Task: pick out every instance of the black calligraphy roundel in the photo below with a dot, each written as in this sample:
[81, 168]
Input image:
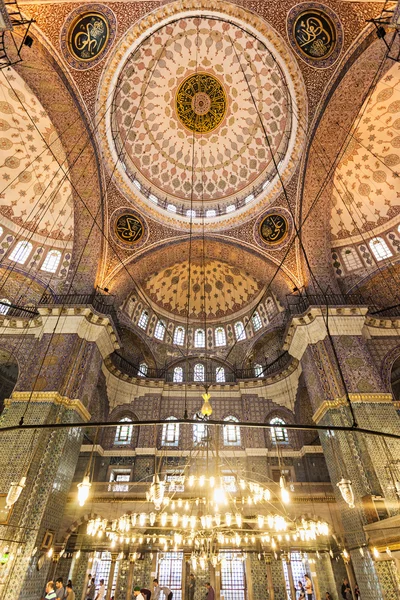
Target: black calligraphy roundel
[129, 228]
[88, 36]
[274, 228]
[315, 34]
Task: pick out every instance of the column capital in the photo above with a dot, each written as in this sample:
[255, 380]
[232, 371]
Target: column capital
[50, 398]
[326, 405]
[310, 328]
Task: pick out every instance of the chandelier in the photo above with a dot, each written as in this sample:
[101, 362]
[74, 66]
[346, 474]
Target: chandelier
[207, 514]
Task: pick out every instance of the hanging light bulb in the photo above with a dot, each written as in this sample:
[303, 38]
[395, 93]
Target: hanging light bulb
[83, 490]
[388, 551]
[346, 555]
[285, 496]
[77, 555]
[361, 551]
[156, 492]
[346, 490]
[206, 409]
[375, 552]
[15, 491]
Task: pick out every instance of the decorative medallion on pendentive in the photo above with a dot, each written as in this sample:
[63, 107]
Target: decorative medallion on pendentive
[201, 103]
[273, 229]
[129, 228]
[315, 33]
[87, 35]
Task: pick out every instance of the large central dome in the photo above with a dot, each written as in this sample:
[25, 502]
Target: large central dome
[201, 113]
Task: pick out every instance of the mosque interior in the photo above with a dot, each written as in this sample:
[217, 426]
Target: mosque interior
[199, 297]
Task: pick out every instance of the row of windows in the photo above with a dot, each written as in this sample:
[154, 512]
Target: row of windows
[198, 370]
[199, 334]
[170, 432]
[22, 250]
[378, 247]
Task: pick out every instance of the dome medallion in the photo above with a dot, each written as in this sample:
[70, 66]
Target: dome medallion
[182, 105]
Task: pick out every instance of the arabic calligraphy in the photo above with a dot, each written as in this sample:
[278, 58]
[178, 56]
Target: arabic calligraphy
[274, 228]
[129, 228]
[201, 103]
[315, 34]
[88, 36]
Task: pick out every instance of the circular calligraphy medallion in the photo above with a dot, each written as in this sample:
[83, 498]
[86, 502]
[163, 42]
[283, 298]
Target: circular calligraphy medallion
[86, 35]
[201, 103]
[315, 33]
[129, 228]
[274, 229]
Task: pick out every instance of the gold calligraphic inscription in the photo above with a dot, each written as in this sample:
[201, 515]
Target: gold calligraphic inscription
[315, 34]
[201, 103]
[88, 36]
[274, 229]
[129, 228]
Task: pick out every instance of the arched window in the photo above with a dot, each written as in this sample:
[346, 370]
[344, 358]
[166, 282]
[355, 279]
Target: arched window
[220, 337]
[191, 214]
[179, 336]
[231, 432]
[51, 262]
[171, 208]
[270, 308]
[159, 331]
[278, 434]
[178, 374]
[123, 435]
[143, 368]
[351, 260]
[143, 319]
[198, 372]
[240, 331]
[199, 432]
[220, 375]
[170, 433]
[199, 338]
[4, 306]
[256, 320]
[21, 252]
[211, 213]
[1, 231]
[380, 249]
[258, 370]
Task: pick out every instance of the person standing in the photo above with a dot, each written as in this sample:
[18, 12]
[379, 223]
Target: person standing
[345, 585]
[302, 593]
[308, 587]
[50, 592]
[137, 593]
[157, 590]
[101, 594]
[70, 592]
[210, 592]
[60, 591]
[192, 586]
[91, 590]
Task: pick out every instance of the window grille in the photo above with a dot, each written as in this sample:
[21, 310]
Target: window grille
[143, 319]
[21, 252]
[231, 432]
[233, 580]
[258, 370]
[380, 249]
[178, 375]
[123, 434]
[278, 434]
[198, 372]
[51, 262]
[159, 331]
[170, 433]
[351, 260]
[179, 336]
[240, 331]
[199, 338]
[4, 306]
[220, 337]
[220, 375]
[257, 323]
[143, 368]
[170, 569]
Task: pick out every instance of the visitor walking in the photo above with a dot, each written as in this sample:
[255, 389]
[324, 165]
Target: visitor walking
[137, 593]
[60, 591]
[70, 592]
[345, 586]
[192, 586]
[101, 594]
[210, 592]
[50, 591]
[91, 590]
[302, 593]
[308, 587]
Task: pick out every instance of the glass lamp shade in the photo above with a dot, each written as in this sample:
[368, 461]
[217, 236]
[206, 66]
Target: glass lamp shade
[14, 492]
[206, 409]
[346, 490]
[83, 490]
[156, 492]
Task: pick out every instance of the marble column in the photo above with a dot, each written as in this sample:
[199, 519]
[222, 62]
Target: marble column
[114, 557]
[360, 458]
[55, 385]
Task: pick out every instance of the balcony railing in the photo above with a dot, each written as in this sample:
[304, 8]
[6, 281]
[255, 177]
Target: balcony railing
[14, 311]
[104, 304]
[299, 304]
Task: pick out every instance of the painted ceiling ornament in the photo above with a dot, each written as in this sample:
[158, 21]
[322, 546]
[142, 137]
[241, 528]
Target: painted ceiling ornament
[87, 35]
[201, 103]
[273, 228]
[185, 128]
[128, 228]
[315, 33]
